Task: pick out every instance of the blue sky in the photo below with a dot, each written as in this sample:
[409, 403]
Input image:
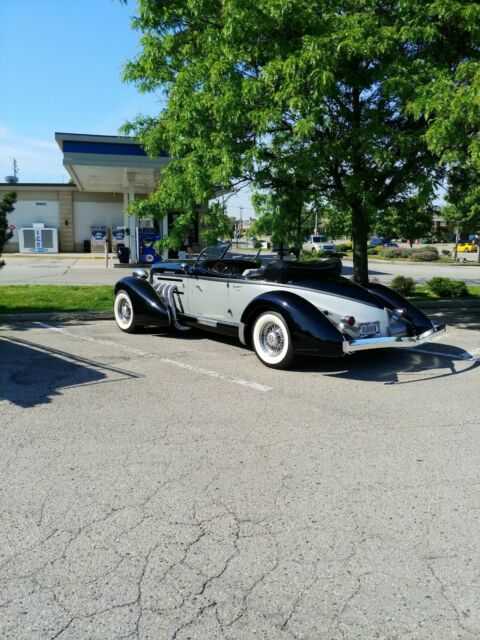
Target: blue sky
[61, 64]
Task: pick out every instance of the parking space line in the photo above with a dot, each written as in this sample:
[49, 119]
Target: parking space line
[89, 339]
[221, 376]
[207, 372]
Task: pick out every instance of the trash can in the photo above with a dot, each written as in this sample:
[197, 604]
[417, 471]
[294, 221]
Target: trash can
[87, 247]
[123, 253]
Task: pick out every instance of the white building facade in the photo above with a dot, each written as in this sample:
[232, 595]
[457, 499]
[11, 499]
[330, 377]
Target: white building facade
[107, 174]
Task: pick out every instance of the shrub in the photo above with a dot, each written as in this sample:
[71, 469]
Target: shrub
[306, 256]
[371, 251]
[428, 248]
[424, 256]
[446, 252]
[403, 285]
[447, 288]
[344, 247]
[396, 252]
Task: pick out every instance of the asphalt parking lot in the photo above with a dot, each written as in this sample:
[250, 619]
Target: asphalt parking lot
[165, 486]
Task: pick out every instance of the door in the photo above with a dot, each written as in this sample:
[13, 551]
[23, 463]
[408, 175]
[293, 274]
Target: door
[207, 298]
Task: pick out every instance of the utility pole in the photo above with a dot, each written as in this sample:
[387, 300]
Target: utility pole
[240, 223]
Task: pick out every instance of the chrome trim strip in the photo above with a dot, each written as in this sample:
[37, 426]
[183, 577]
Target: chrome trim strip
[350, 346]
[207, 322]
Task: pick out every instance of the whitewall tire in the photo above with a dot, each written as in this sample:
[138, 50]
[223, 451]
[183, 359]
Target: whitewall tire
[271, 340]
[124, 312]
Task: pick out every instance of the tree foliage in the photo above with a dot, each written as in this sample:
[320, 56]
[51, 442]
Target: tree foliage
[410, 220]
[7, 205]
[463, 197]
[340, 103]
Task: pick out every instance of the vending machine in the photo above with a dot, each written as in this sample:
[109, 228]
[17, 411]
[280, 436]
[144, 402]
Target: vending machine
[147, 239]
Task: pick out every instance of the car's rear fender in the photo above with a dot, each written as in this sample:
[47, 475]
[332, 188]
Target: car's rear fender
[394, 300]
[147, 306]
[312, 333]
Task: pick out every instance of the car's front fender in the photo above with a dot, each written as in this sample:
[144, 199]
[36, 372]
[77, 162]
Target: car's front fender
[311, 331]
[147, 306]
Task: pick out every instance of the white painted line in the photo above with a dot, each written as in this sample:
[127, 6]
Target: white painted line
[220, 376]
[88, 339]
[206, 372]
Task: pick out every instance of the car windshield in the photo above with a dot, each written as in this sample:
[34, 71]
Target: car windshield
[318, 238]
[223, 250]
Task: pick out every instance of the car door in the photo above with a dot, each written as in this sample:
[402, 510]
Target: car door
[207, 297]
[240, 294]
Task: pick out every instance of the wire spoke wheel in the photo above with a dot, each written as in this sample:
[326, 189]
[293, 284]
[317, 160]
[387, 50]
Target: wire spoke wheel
[124, 312]
[271, 340]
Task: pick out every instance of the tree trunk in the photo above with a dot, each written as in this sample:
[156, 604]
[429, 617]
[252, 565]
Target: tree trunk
[360, 237]
[359, 214]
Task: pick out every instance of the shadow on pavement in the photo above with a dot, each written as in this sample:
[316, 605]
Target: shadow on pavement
[395, 366]
[31, 374]
[347, 271]
[387, 366]
[460, 317]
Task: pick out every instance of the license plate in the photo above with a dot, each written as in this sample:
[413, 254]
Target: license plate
[369, 329]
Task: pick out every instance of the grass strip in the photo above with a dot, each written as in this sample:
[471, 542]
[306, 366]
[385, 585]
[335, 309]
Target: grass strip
[55, 298]
[422, 294]
[68, 298]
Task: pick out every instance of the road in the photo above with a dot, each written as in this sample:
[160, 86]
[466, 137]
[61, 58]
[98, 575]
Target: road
[84, 270]
[172, 487]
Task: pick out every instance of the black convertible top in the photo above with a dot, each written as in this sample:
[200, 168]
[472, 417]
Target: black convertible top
[289, 271]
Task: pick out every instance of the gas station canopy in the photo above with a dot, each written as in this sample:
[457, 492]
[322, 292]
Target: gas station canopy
[115, 164]
[112, 164]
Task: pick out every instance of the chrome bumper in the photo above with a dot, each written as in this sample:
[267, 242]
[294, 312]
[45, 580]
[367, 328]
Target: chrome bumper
[350, 346]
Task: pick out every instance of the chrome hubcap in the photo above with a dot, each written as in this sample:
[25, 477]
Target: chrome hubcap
[125, 311]
[272, 339]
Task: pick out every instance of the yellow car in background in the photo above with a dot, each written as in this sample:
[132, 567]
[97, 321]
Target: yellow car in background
[467, 247]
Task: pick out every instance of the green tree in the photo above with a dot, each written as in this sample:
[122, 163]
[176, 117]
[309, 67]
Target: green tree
[314, 102]
[7, 205]
[283, 215]
[410, 219]
[449, 98]
[463, 198]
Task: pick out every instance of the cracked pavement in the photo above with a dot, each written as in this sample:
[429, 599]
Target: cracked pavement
[147, 501]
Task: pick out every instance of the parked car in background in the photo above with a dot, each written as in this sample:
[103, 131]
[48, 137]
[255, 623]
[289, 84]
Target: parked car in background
[316, 243]
[280, 308]
[467, 247]
[381, 242]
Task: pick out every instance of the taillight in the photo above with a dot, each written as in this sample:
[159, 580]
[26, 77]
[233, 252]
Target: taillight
[349, 320]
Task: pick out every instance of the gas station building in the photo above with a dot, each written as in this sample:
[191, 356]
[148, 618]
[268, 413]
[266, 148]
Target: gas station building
[108, 173]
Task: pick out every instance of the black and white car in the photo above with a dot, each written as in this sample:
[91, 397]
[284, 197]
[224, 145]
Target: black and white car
[280, 308]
